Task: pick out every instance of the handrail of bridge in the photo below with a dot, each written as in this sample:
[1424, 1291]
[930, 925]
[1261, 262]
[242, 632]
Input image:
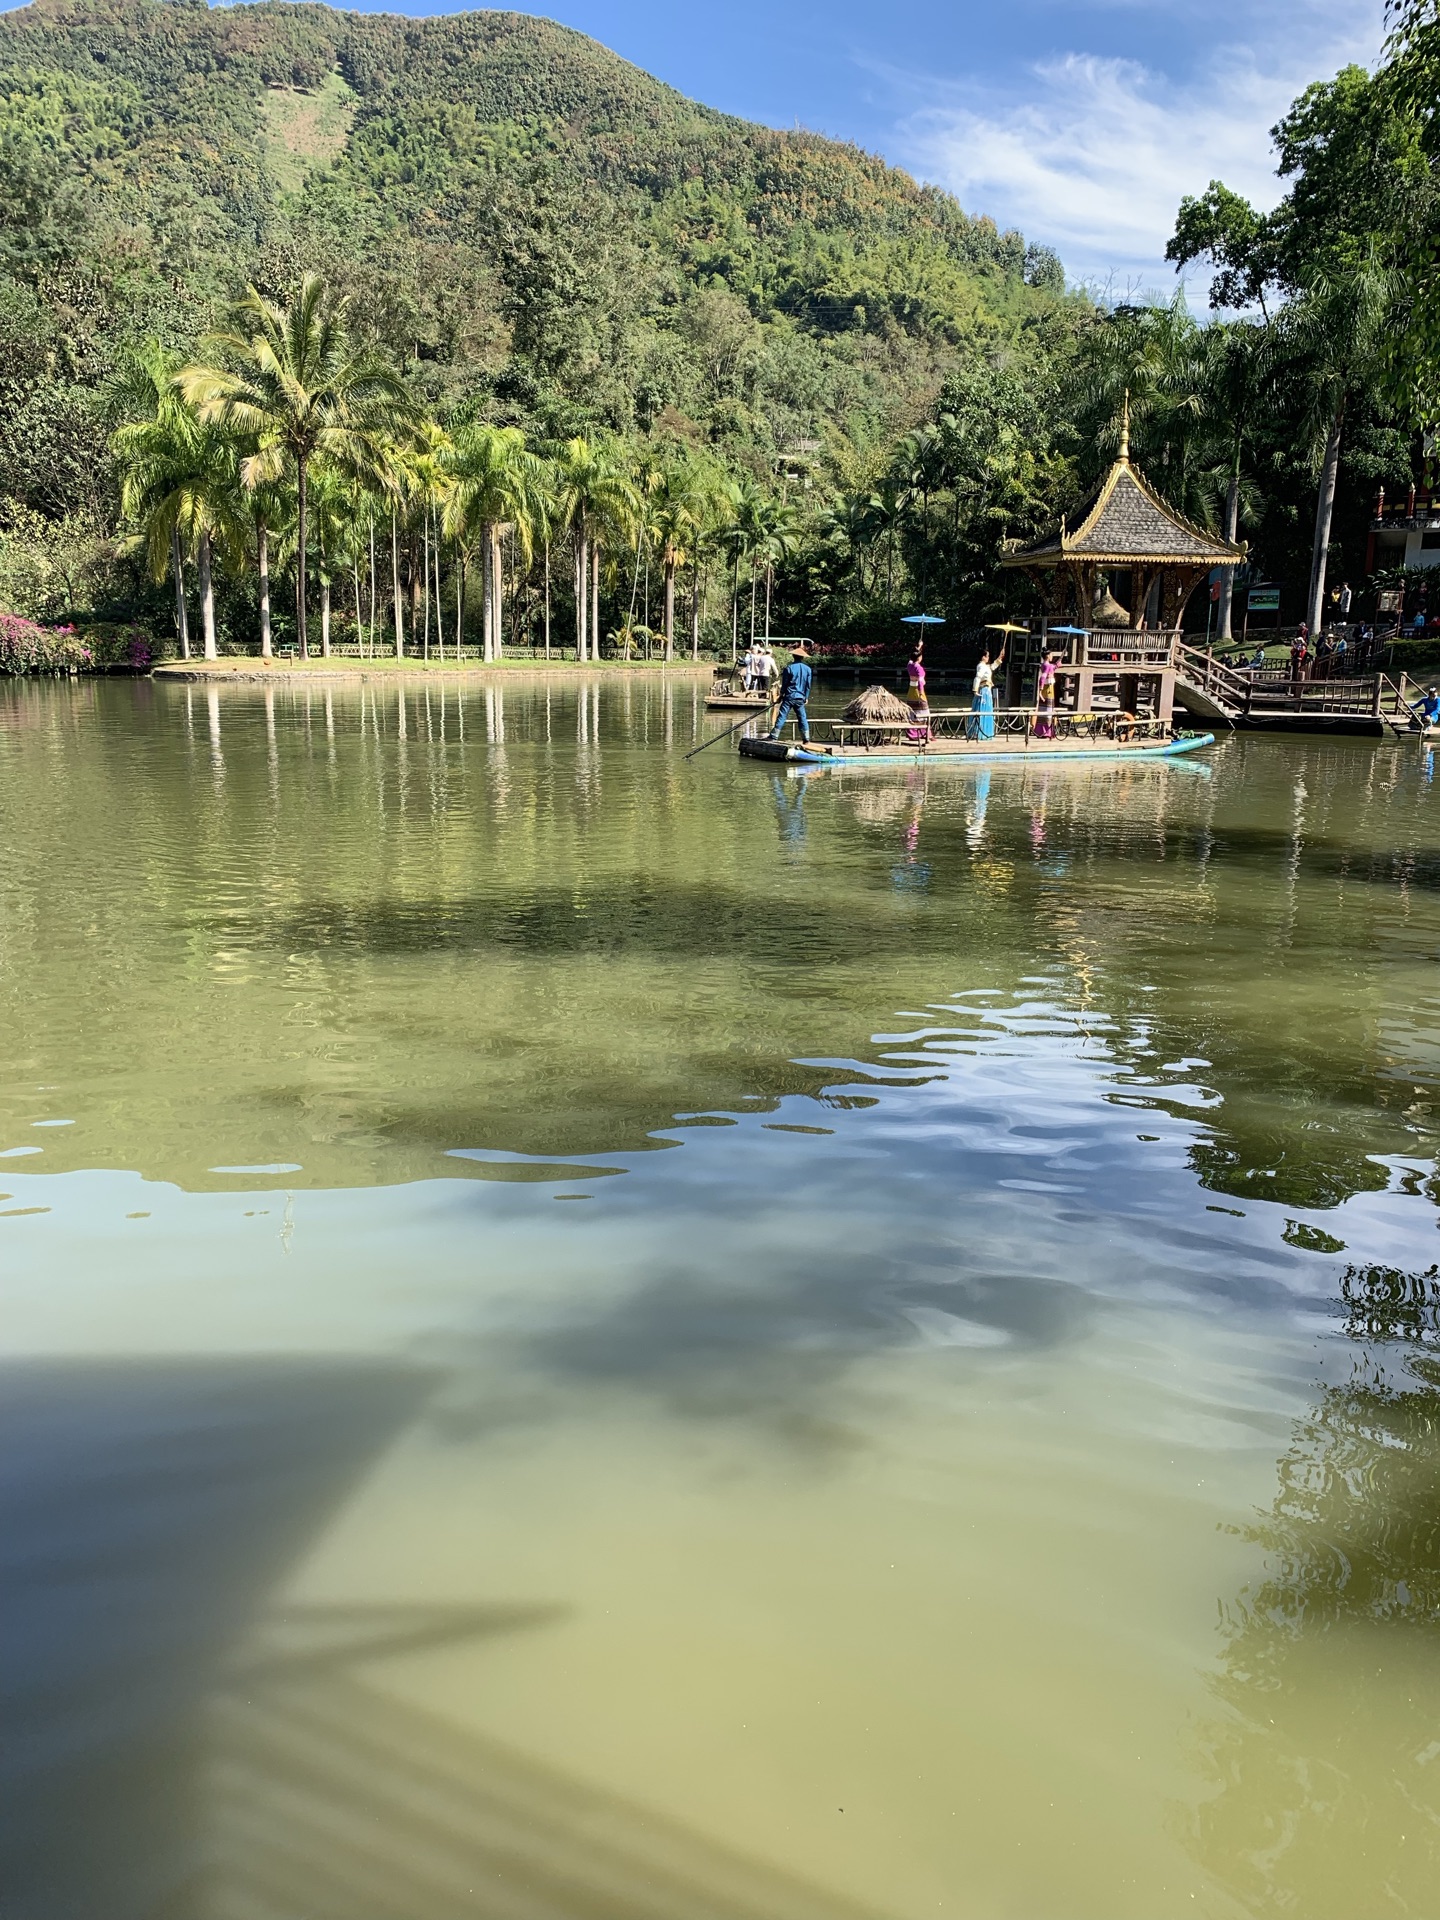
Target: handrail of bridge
[1212, 676]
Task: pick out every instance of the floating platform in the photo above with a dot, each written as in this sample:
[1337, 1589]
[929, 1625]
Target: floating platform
[964, 752]
[742, 702]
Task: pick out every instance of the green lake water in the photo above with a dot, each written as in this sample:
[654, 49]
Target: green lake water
[596, 1337]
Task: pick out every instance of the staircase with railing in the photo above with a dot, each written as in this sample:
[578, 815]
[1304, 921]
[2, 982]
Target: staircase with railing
[1212, 690]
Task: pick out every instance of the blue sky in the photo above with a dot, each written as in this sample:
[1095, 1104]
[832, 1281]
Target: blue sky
[1079, 121]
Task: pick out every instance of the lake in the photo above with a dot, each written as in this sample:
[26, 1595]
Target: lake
[591, 1334]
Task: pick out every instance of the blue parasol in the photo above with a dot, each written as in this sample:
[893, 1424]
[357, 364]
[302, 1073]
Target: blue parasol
[922, 620]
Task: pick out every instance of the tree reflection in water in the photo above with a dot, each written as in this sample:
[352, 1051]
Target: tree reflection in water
[1325, 1764]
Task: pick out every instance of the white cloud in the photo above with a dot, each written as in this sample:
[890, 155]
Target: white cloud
[1095, 154]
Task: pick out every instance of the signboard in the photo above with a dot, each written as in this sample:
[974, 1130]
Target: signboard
[1389, 601]
[1264, 600]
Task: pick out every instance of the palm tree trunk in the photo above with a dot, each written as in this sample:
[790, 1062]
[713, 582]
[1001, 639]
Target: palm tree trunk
[425, 648]
[595, 601]
[395, 587]
[325, 616]
[1227, 578]
[547, 599]
[669, 605]
[302, 518]
[582, 594]
[695, 609]
[182, 617]
[207, 598]
[262, 559]
[459, 606]
[439, 598]
[359, 623]
[497, 567]
[769, 583]
[372, 586]
[1324, 509]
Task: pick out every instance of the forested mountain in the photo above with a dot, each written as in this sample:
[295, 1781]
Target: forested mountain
[541, 231]
[797, 365]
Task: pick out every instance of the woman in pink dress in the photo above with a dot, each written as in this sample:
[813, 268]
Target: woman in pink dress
[915, 692]
[1045, 698]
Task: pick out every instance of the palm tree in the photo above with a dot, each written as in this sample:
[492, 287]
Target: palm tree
[779, 529]
[1235, 371]
[336, 525]
[181, 483]
[674, 515]
[593, 496]
[494, 483]
[143, 394]
[743, 537]
[848, 530]
[295, 385]
[1155, 356]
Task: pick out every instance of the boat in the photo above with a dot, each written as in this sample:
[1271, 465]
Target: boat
[1098, 736]
[727, 696]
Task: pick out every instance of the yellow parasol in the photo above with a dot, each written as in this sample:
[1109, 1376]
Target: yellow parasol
[1004, 626]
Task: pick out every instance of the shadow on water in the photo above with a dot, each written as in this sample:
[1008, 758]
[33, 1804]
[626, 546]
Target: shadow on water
[175, 1749]
[332, 1801]
[145, 1513]
[1324, 1764]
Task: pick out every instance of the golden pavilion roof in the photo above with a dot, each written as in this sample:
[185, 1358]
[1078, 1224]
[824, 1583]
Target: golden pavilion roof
[1125, 523]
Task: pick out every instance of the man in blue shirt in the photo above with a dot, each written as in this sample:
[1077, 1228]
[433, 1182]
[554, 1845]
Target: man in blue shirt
[794, 692]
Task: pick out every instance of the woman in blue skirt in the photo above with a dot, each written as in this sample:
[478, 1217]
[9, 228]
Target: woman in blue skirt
[981, 724]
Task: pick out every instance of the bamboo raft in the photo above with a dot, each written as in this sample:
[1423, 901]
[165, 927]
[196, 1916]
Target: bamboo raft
[1078, 736]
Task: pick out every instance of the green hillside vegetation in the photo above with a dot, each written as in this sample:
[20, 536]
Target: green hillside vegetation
[869, 389]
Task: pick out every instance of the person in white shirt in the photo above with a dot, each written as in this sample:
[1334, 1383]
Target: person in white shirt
[981, 724]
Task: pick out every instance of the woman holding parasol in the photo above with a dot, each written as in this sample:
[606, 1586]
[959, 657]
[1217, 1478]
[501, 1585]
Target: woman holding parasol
[915, 694]
[1045, 686]
[981, 724]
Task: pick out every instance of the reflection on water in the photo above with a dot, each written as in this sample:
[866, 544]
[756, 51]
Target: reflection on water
[1326, 1766]
[980, 1180]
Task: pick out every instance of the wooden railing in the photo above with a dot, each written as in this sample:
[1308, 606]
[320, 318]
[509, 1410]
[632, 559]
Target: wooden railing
[1226, 687]
[1262, 690]
[955, 723]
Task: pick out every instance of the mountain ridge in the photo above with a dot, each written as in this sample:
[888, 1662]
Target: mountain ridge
[538, 230]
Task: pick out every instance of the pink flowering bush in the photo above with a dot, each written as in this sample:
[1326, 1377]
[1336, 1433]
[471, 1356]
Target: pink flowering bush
[28, 648]
[120, 649]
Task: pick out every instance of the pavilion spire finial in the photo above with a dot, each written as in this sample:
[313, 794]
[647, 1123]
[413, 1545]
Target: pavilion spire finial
[1125, 427]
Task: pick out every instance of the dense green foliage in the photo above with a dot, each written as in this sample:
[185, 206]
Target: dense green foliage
[838, 392]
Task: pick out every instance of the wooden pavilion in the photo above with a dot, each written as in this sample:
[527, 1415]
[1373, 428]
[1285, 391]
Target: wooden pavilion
[1131, 560]
[1116, 587]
